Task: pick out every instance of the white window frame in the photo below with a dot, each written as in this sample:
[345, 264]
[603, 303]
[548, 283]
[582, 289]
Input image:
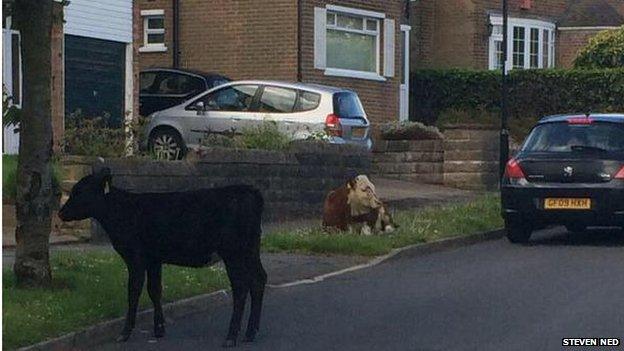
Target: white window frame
[365, 15]
[527, 24]
[152, 47]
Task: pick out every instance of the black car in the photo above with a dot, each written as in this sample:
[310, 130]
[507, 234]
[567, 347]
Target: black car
[569, 171]
[161, 88]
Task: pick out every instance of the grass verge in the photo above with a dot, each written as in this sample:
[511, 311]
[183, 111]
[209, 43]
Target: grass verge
[416, 226]
[88, 287]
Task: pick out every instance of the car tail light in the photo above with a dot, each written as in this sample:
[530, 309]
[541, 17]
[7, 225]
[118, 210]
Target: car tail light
[620, 174]
[513, 170]
[332, 125]
[580, 120]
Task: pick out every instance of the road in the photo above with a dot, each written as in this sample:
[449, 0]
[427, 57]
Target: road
[489, 296]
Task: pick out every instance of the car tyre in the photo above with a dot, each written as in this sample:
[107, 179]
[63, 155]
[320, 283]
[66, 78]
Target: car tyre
[518, 233]
[576, 228]
[167, 144]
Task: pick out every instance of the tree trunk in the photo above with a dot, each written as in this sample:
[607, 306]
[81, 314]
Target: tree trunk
[34, 172]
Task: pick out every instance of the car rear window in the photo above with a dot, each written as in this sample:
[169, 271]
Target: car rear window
[566, 137]
[348, 105]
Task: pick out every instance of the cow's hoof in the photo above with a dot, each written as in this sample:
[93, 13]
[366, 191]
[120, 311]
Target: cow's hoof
[250, 336]
[159, 330]
[229, 343]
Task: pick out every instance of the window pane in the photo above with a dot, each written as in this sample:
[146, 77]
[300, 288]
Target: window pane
[307, 101]
[371, 25]
[155, 22]
[331, 18]
[236, 98]
[498, 54]
[146, 83]
[350, 22]
[170, 83]
[534, 48]
[351, 51]
[155, 38]
[518, 47]
[546, 40]
[277, 100]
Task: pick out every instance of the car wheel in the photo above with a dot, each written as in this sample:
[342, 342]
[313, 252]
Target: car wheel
[518, 233]
[576, 228]
[166, 144]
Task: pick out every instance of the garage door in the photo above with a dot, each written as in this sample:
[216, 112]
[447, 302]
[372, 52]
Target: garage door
[94, 77]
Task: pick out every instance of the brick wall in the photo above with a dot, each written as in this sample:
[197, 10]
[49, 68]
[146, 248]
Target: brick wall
[457, 31]
[156, 59]
[240, 39]
[380, 99]
[570, 44]
[422, 20]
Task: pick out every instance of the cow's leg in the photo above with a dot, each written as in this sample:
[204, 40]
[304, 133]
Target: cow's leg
[154, 289]
[258, 282]
[136, 278]
[239, 280]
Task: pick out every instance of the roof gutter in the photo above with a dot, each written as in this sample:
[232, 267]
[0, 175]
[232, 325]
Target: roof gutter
[176, 33]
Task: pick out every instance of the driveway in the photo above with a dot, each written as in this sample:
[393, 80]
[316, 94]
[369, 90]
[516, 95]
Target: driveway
[489, 296]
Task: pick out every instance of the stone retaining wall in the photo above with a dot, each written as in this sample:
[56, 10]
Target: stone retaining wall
[411, 160]
[466, 158]
[471, 157]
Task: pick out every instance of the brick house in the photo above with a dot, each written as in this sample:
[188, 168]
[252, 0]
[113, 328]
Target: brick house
[355, 44]
[542, 33]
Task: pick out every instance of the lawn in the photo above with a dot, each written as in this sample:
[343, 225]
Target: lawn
[88, 287]
[416, 226]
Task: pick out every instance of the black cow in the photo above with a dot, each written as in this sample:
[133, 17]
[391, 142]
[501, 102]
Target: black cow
[181, 228]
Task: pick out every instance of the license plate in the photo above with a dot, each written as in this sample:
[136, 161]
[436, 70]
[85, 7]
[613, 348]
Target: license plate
[358, 132]
[567, 204]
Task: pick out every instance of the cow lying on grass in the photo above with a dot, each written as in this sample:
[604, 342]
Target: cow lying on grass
[181, 228]
[355, 204]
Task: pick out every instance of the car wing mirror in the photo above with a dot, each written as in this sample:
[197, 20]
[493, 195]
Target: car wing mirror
[200, 108]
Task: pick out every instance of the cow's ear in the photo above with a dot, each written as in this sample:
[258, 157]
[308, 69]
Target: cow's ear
[103, 177]
[351, 184]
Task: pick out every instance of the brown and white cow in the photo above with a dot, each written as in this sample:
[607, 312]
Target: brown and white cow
[355, 205]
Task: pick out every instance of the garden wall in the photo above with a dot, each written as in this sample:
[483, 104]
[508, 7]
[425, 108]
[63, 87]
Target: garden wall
[293, 183]
[411, 160]
[465, 156]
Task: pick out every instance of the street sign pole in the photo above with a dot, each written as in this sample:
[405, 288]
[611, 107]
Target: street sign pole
[504, 132]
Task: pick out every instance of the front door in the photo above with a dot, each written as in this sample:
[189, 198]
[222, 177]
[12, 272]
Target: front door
[404, 88]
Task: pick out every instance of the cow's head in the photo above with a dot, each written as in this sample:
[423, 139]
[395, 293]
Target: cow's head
[87, 196]
[361, 196]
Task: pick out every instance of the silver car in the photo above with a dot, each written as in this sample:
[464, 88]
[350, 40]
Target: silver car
[300, 111]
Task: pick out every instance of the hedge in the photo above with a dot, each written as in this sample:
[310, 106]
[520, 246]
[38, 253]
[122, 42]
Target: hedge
[532, 93]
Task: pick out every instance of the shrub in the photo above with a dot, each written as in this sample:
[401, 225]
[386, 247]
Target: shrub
[605, 50]
[405, 130]
[265, 136]
[92, 136]
[532, 93]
